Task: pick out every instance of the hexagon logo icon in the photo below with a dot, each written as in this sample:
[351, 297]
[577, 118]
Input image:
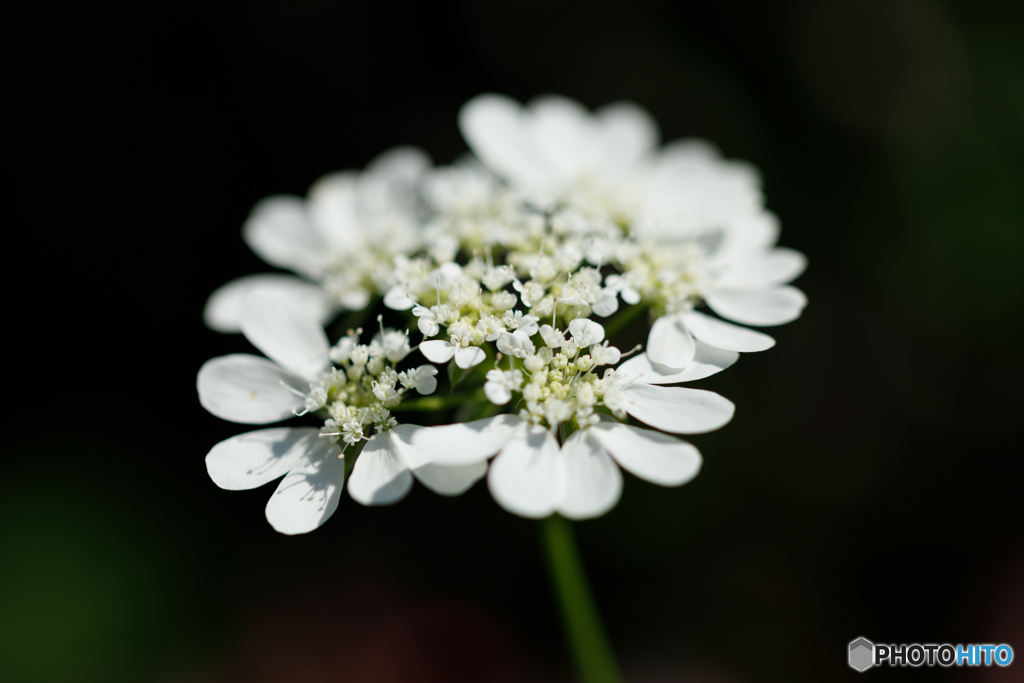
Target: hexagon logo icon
[862, 654]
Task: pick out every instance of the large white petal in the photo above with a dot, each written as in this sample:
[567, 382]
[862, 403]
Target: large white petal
[309, 493]
[450, 480]
[437, 350]
[405, 163]
[656, 457]
[333, 211]
[288, 335]
[761, 269]
[628, 134]
[707, 361]
[252, 459]
[591, 481]
[774, 306]
[223, 311]
[670, 343]
[678, 410]
[492, 126]
[565, 135]
[723, 335]
[247, 389]
[525, 477]
[467, 442]
[280, 232]
[380, 475]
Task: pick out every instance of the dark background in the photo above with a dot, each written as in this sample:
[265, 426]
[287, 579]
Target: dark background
[869, 484]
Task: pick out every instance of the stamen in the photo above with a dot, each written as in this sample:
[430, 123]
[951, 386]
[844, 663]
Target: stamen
[293, 390]
[631, 352]
[380, 321]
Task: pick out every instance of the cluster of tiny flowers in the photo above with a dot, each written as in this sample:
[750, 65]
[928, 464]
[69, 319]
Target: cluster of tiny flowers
[559, 381]
[359, 393]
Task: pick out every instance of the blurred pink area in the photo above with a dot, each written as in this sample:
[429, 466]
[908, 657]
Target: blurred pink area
[370, 636]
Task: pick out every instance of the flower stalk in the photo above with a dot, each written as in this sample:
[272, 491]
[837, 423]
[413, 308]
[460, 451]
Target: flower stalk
[592, 653]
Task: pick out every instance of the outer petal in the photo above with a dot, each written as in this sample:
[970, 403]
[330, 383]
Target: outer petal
[252, 459]
[707, 361]
[403, 162]
[670, 343]
[628, 133]
[333, 211]
[450, 480]
[380, 475]
[280, 232]
[223, 311]
[656, 457]
[290, 336]
[492, 126]
[774, 306]
[437, 350]
[723, 335]
[465, 443]
[468, 356]
[678, 410]
[591, 481]
[525, 477]
[762, 269]
[247, 389]
[309, 494]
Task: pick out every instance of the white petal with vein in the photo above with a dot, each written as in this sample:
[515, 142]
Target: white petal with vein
[380, 476]
[669, 342]
[723, 335]
[592, 482]
[253, 459]
[653, 456]
[707, 361]
[525, 477]
[775, 306]
[678, 410]
[247, 389]
[450, 480]
[309, 493]
[288, 335]
[465, 443]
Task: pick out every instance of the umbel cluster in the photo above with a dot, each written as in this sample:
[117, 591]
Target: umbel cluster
[512, 268]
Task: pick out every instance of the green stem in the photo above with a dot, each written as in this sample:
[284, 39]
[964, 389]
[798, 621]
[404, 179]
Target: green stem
[616, 324]
[592, 653]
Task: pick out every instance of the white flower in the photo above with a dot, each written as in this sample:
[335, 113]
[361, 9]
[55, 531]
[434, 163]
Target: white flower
[586, 332]
[533, 476]
[254, 390]
[500, 385]
[343, 237]
[390, 344]
[429, 318]
[515, 344]
[422, 379]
